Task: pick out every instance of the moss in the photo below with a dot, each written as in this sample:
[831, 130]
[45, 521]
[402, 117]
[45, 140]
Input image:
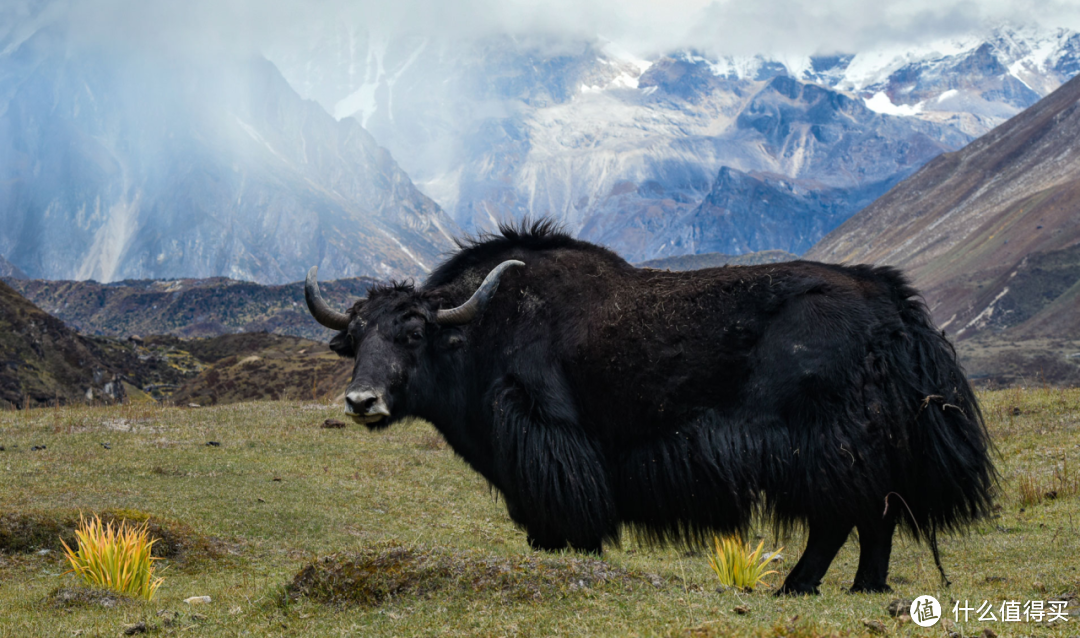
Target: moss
[24, 532]
[390, 570]
[68, 597]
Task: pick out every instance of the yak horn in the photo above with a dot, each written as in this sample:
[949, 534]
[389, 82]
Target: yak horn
[468, 310]
[318, 307]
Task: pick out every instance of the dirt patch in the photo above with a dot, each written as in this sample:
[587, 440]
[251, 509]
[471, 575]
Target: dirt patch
[390, 570]
[34, 531]
[68, 597]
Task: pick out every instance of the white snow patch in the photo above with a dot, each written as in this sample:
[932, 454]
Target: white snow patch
[881, 103]
[982, 317]
[947, 94]
[250, 130]
[406, 250]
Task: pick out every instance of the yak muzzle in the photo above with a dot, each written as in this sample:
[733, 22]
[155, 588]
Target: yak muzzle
[366, 406]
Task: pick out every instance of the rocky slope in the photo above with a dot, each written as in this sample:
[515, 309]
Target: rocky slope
[9, 271]
[188, 307]
[133, 164]
[42, 361]
[715, 260]
[991, 233]
[632, 152]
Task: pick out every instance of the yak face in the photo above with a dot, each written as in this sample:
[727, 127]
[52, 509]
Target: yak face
[396, 343]
[398, 336]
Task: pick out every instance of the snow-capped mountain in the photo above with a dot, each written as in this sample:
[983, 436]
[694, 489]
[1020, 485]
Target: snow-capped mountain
[685, 152]
[120, 164]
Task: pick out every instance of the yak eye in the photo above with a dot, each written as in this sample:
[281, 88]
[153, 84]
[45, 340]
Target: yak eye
[416, 334]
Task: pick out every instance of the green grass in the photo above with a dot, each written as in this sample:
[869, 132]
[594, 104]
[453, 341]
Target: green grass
[399, 514]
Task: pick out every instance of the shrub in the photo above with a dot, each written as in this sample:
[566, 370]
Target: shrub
[736, 565]
[117, 558]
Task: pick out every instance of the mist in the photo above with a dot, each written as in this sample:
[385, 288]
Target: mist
[644, 27]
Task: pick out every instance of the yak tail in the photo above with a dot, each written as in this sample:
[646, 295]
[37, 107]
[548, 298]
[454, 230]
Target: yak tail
[946, 478]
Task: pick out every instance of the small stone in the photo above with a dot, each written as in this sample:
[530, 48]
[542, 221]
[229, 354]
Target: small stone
[193, 405]
[106, 446]
[875, 626]
[899, 606]
[276, 478]
[988, 633]
[35, 448]
[213, 443]
[333, 424]
[137, 628]
[44, 552]
[197, 600]
[198, 617]
[742, 610]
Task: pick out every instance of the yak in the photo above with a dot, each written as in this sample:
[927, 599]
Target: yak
[596, 396]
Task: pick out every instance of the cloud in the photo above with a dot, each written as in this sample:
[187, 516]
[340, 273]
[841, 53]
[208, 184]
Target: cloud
[646, 27]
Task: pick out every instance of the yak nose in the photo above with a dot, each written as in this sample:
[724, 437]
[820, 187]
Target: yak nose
[366, 404]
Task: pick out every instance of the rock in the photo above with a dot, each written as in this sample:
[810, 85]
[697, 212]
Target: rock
[899, 607]
[137, 628]
[213, 444]
[742, 610]
[197, 600]
[193, 405]
[333, 424]
[35, 448]
[875, 626]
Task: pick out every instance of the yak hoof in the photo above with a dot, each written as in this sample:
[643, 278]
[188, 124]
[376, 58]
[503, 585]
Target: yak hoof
[547, 544]
[860, 588]
[797, 589]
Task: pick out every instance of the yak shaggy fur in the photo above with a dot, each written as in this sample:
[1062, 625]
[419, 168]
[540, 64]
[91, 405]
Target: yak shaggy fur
[595, 395]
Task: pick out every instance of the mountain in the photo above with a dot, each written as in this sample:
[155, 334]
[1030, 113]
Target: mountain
[188, 307]
[675, 154]
[991, 233]
[123, 163]
[265, 367]
[9, 271]
[715, 260]
[42, 361]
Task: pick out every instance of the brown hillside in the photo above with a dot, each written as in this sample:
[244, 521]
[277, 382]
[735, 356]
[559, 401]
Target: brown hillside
[42, 360]
[989, 233]
[187, 307]
[269, 367]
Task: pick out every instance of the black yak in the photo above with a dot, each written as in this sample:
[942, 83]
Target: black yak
[593, 395]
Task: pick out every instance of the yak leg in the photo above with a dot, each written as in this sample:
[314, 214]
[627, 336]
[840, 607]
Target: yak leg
[875, 546]
[554, 474]
[825, 540]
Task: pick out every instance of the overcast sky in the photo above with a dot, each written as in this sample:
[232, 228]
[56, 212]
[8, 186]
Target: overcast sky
[645, 27]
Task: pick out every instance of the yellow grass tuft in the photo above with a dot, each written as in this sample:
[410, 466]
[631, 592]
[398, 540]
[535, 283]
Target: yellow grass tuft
[116, 558]
[736, 565]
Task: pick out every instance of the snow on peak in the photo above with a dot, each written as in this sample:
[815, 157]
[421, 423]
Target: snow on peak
[880, 103]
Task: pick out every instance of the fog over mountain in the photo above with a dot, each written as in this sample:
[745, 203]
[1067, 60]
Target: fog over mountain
[120, 162]
[681, 153]
[253, 139]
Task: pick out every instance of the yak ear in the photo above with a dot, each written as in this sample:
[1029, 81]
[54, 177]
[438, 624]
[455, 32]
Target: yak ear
[343, 344]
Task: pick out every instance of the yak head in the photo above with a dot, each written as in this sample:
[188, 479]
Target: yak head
[395, 337]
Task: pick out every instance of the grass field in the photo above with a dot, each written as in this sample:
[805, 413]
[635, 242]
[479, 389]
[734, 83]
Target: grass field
[400, 513]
